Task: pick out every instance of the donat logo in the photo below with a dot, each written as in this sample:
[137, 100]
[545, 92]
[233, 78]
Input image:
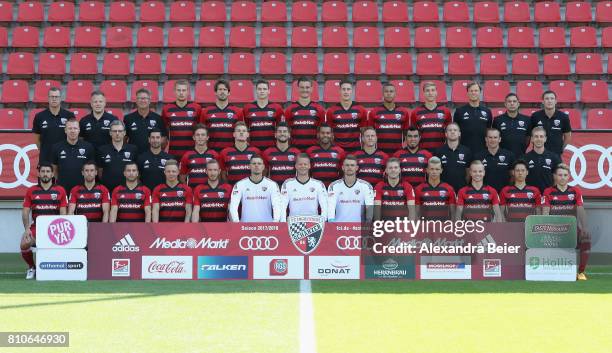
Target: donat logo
[306, 232]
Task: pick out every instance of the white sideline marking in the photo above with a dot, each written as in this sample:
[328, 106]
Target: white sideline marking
[600, 273]
[10, 273]
[307, 326]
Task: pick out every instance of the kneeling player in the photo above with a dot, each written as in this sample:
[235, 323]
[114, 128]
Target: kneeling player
[303, 195]
[172, 201]
[90, 199]
[210, 199]
[392, 197]
[520, 200]
[478, 201]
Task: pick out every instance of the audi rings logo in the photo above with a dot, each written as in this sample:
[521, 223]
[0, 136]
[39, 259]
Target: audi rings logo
[21, 176]
[258, 243]
[354, 242]
[578, 176]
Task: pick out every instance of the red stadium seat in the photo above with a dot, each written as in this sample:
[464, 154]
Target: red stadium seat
[404, 91]
[397, 37]
[20, 64]
[6, 11]
[458, 37]
[578, 11]
[495, 91]
[243, 11]
[461, 64]
[429, 64]
[525, 64]
[118, 112]
[87, 37]
[529, 91]
[51, 64]
[179, 64]
[79, 113]
[278, 91]
[521, 37]
[489, 37]
[114, 90]
[146, 84]
[594, 91]
[425, 11]
[528, 111]
[547, 12]
[606, 37]
[589, 64]
[335, 37]
[242, 37]
[440, 87]
[336, 64]
[241, 63]
[30, 11]
[83, 64]
[395, 12]
[242, 91]
[117, 64]
[273, 11]
[181, 37]
[486, 12]
[365, 11]
[552, 37]
[368, 91]
[91, 11]
[204, 91]
[41, 90]
[399, 64]
[304, 64]
[556, 64]
[565, 90]
[119, 37]
[3, 37]
[334, 11]
[273, 64]
[25, 37]
[78, 91]
[456, 11]
[147, 64]
[15, 91]
[599, 119]
[493, 64]
[331, 91]
[273, 37]
[182, 11]
[367, 64]
[497, 111]
[603, 12]
[304, 11]
[365, 37]
[152, 11]
[122, 12]
[575, 117]
[459, 91]
[11, 119]
[516, 12]
[304, 37]
[61, 11]
[210, 64]
[213, 11]
[583, 37]
[427, 37]
[212, 37]
[295, 92]
[150, 37]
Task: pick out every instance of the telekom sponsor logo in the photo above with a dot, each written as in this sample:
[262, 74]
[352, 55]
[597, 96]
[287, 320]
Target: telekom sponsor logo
[167, 267]
[61, 231]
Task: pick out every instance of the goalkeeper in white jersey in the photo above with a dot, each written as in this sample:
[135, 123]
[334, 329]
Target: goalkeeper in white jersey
[303, 195]
[350, 198]
[257, 197]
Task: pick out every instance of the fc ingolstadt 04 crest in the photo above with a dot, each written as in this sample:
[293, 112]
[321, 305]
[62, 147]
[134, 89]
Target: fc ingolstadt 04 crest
[306, 232]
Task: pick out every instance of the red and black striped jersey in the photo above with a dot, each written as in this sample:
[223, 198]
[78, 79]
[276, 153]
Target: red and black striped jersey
[179, 122]
[347, 124]
[280, 164]
[371, 166]
[236, 163]
[304, 121]
[213, 202]
[477, 203]
[563, 202]
[220, 124]
[390, 126]
[262, 122]
[193, 165]
[431, 125]
[172, 201]
[397, 195]
[45, 202]
[131, 203]
[435, 201]
[88, 202]
[326, 163]
[413, 165]
[519, 203]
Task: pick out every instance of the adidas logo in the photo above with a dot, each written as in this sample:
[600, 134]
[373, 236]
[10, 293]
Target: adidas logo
[126, 244]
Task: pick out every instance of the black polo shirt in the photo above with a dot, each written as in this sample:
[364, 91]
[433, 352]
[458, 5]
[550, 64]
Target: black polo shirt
[51, 130]
[69, 160]
[112, 162]
[555, 127]
[138, 127]
[454, 163]
[151, 168]
[497, 167]
[541, 167]
[97, 131]
[473, 122]
[514, 132]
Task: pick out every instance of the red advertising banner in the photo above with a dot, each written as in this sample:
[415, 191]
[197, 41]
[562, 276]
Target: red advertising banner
[589, 158]
[18, 161]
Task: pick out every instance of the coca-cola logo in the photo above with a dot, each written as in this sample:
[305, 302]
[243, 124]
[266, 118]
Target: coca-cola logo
[171, 267]
[167, 267]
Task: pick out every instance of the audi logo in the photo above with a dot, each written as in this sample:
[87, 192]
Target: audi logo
[605, 178]
[21, 178]
[348, 242]
[258, 243]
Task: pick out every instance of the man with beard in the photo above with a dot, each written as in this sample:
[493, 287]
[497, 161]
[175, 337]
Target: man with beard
[130, 202]
[326, 158]
[151, 163]
[90, 199]
[280, 159]
[413, 159]
[221, 118]
[211, 199]
[514, 126]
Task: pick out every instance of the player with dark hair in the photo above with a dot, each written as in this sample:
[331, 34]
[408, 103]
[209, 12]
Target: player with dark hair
[513, 126]
[555, 122]
[262, 116]
[473, 118]
[90, 198]
[347, 118]
[151, 162]
[392, 196]
[520, 200]
[211, 199]
[326, 158]
[390, 121]
[130, 202]
[431, 118]
[304, 116]
[221, 118]
[413, 159]
[193, 163]
[280, 159]
[235, 160]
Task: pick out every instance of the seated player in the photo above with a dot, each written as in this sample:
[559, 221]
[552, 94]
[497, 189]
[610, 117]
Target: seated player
[413, 159]
[280, 158]
[393, 197]
[172, 201]
[477, 201]
[303, 195]
[131, 202]
[520, 200]
[211, 199]
[435, 199]
[349, 196]
[326, 158]
[193, 163]
[235, 160]
[90, 198]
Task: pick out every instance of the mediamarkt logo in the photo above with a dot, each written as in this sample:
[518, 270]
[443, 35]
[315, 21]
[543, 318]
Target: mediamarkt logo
[189, 243]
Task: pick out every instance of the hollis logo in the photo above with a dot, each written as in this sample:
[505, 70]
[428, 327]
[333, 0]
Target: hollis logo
[537, 262]
[279, 267]
[121, 268]
[491, 268]
[306, 232]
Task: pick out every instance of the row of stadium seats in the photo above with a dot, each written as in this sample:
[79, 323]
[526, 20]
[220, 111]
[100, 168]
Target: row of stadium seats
[307, 11]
